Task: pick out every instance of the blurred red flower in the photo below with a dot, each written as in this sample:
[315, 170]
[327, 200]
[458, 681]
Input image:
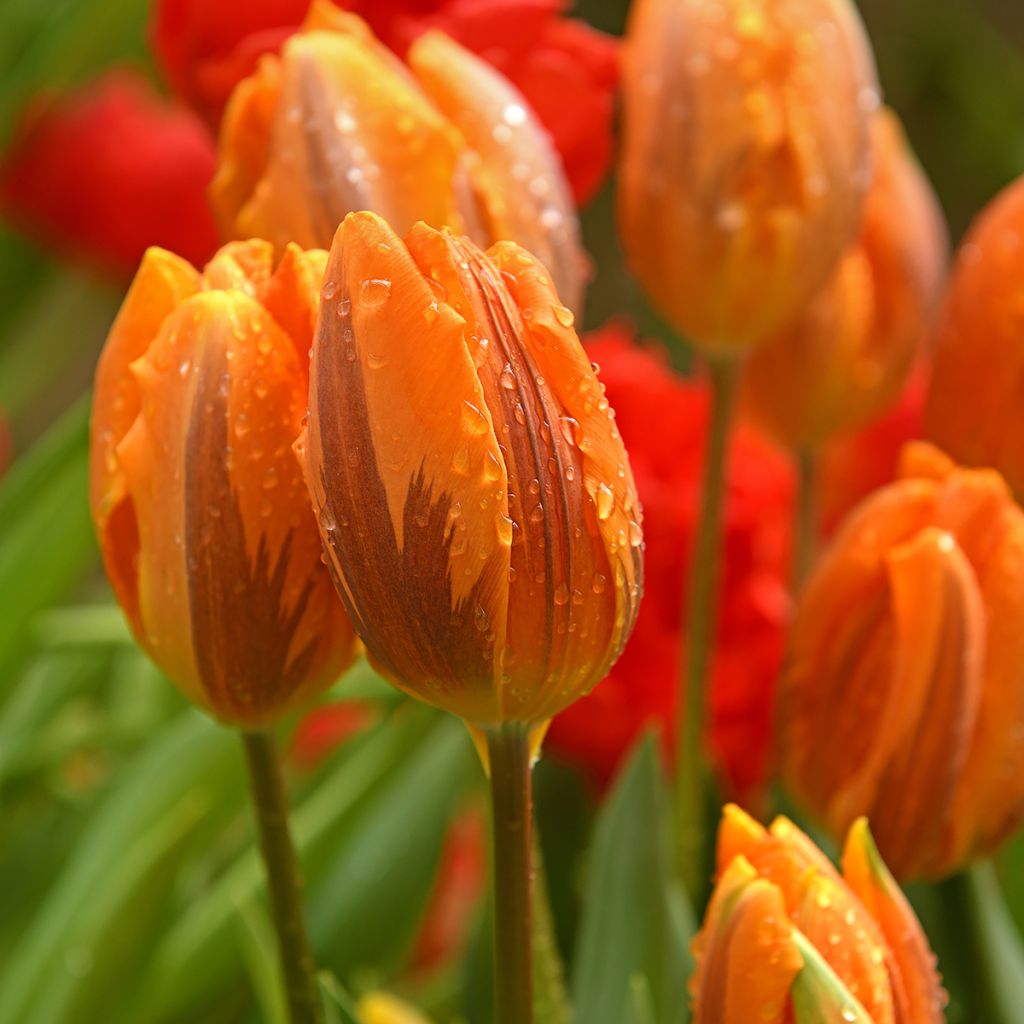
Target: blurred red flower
[458, 886]
[109, 170]
[328, 727]
[567, 70]
[663, 420]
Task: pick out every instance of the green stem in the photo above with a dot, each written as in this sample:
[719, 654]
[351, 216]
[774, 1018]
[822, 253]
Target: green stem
[805, 537]
[989, 948]
[270, 804]
[693, 778]
[508, 749]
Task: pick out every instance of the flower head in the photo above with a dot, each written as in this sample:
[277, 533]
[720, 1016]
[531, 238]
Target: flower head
[200, 508]
[975, 406]
[745, 157]
[789, 938]
[904, 697]
[337, 124]
[476, 502]
[846, 355]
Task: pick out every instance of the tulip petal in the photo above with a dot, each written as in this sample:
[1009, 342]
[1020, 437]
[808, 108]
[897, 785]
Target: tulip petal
[938, 640]
[406, 474]
[819, 996]
[915, 980]
[746, 955]
[163, 280]
[591, 440]
[527, 196]
[840, 633]
[835, 922]
[350, 132]
[236, 607]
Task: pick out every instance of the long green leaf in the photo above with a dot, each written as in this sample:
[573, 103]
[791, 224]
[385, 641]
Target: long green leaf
[635, 919]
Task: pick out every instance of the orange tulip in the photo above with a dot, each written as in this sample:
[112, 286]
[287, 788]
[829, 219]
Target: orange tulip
[475, 499]
[975, 407]
[787, 938]
[337, 123]
[199, 503]
[745, 157]
[904, 697]
[847, 355]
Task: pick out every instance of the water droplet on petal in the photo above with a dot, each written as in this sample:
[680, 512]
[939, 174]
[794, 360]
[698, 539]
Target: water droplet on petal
[374, 292]
[605, 499]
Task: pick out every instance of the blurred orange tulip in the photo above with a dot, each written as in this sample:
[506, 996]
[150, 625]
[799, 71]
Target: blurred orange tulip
[847, 354]
[904, 697]
[745, 157]
[202, 515]
[975, 407]
[475, 498]
[787, 938]
[337, 124]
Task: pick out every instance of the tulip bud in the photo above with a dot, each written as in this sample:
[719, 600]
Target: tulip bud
[904, 697]
[745, 157]
[787, 938]
[975, 407]
[847, 355]
[475, 499]
[199, 504]
[337, 124]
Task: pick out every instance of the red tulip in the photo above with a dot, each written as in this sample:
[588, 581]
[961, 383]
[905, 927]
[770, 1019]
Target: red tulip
[108, 171]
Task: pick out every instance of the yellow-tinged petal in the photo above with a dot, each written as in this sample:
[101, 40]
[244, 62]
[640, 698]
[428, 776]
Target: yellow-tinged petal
[527, 197]
[915, 980]
[163, 280]
[745, 952]
[406, 474]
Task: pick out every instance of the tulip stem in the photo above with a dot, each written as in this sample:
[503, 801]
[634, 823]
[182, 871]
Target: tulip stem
[694, 783]
[989, 948]
[508, 748]
[806, 534]
[270, 803]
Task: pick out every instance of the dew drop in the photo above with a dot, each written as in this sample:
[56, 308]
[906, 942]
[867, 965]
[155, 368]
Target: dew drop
[605, 499]
[474, 422]
[537, 515]
[374, 292]
[330, 289]
[503, 526]
[600, 583]
[460, 460]
[561, 595]
[564, 315]
[507, 378]
[492, 467]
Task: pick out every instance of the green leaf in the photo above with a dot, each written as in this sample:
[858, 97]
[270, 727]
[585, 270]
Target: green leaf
[364, 910]
[819, 997]
[641, 1009]
[46, 543]
[184, 771]
[550, 1000]
[392, 785]
[635, 918]
[338, 1004]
